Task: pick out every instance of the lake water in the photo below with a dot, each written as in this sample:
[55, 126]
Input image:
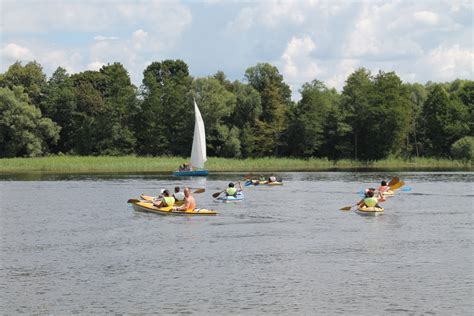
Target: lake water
[71, 244]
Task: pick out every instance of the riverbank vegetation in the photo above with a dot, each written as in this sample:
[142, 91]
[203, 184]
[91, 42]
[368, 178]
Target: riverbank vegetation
[101, 113]
[76, 164]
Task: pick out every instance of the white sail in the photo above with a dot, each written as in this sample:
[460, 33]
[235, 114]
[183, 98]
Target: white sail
[198, 152]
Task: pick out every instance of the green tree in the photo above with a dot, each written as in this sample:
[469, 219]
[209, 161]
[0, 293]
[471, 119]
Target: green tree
[308, 120]
[463, 148]
[445, 120]
[390, 114]
[23, 130]
[418, 96]
[275, 96]
[30, 77]
[59, 104]
[248, 109]
[466, 95]
[167, 119]
[217, 105]
[355, 104]
[117, 137]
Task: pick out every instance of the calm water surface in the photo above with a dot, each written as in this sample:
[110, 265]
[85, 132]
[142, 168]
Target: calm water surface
[71, 244]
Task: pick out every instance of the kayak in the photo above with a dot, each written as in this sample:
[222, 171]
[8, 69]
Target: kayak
[148, 207]
[370, 211]
[262, 182]
[230, 198]
[149, 199]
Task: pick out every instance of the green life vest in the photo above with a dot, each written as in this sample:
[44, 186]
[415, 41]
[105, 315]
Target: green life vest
[231, 191]
[168, 200]
[370, 201]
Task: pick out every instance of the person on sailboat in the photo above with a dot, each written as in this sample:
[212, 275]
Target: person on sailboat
[167, 200]
[189, 202]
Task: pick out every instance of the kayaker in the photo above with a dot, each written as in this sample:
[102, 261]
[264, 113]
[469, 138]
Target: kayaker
[232, 191]
[167, 200]
[272, 179]
[189, 202]
[383, 187]
[369, 200]
[178, 196]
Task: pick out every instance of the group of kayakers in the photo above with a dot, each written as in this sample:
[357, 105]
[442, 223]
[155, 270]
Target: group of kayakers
[165, 199]
[373, 196]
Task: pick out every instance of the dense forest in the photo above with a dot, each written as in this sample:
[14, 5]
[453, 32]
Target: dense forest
[375, 116]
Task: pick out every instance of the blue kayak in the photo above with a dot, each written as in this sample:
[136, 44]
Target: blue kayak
[191, 173]
[228, 198]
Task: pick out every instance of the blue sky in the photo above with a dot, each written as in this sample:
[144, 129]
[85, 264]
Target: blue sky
[306, 40]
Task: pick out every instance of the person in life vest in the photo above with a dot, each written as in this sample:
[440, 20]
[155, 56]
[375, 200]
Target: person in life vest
[167, 200]
[178, 196]
[232, 191]
[189, 202]
[370, 200]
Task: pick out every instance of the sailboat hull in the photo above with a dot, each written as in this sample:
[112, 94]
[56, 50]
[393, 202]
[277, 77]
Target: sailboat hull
[193, 173]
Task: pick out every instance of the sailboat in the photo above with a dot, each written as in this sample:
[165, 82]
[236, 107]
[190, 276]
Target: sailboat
[198, 151]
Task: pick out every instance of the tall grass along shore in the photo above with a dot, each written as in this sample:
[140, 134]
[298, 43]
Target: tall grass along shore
[77, 164]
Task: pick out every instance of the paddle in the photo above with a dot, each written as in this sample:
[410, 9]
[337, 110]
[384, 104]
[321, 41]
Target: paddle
[393, 181]
[397, 185]
[347, 208]
[133, 201]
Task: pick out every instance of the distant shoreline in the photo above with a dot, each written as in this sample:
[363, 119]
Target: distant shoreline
[110, 164]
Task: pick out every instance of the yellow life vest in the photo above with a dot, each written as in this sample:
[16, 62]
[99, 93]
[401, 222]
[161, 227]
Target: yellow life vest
[231, 191]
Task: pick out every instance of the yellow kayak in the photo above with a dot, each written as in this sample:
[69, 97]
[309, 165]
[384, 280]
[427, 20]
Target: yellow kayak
[388, 193]
[370, 211]
[148, 207]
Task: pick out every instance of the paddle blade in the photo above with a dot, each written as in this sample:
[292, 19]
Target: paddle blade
[393, 181]
[133, 201]
[406, 189]
[397, 185]
[346, 208]
[215, 195]
[201, 190]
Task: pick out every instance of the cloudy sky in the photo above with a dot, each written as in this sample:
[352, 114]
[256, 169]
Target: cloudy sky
[325, 40]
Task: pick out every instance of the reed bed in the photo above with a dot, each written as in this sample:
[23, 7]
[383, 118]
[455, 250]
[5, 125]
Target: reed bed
[78, 164]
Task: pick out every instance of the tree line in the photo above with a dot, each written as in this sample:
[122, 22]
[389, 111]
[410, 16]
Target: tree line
[375, 116]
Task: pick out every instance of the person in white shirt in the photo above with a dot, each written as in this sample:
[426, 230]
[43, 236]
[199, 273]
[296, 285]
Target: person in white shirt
[178, 195]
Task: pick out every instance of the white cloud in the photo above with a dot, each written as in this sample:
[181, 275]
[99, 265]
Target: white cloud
[298, 66]
[105, 38]
[448, 63]
[297, 62]
[96, 65]
[13, 52]
[78, 15]
[341, 71]
[427, 17]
